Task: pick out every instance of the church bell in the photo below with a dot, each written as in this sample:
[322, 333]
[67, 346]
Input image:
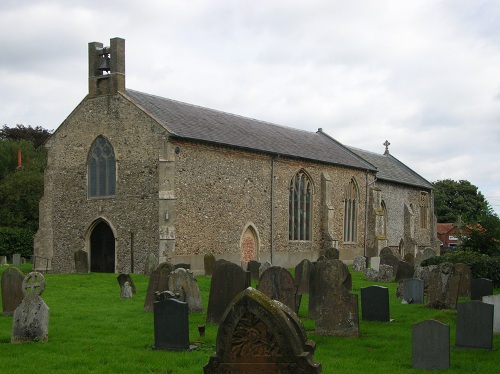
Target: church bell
[104, 66]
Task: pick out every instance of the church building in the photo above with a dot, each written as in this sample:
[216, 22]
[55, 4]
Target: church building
[130, 174]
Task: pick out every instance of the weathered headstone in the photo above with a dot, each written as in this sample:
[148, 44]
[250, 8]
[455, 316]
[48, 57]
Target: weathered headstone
[413, 291]
[151, 264]
[228, 281]
[277, 284]
[444, 282]
[31, 317]
[391, 260]
[465, 278]
[430, 345]
[126, 291]
[474, 325]
[12, 290]
[253, 267]
[371, 275]
[409, 258]
[81, 262]
[171, 323]
[375, 304]
[405, 271]
[330, 303]
[385, 273]
[385, 251]
[332, 253]
[424, 255]
[183, 282]
[16, 259]
[375, 263]
[158, 282]
[122, 278]
[359, 264]
[260, 335]
[302, 271]
[3, 260]
[424, 273]
[183, 266]
[480, 287]
[209, 264]
[265, 265]
[495, 301]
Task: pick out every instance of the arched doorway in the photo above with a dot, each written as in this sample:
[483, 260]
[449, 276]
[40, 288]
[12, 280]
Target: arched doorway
[249, 244]
[102, 249]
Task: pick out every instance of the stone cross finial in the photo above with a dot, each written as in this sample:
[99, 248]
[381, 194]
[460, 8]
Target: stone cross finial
[387, 144]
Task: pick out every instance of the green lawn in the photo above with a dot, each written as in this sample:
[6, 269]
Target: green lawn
[93, 330]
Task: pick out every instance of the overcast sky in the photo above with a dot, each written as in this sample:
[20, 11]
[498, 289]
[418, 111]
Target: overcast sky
[422, 74]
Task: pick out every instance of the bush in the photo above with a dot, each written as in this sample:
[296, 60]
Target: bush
[16, 240]
[482, 266]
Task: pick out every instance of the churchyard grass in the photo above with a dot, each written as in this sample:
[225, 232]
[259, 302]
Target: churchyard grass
[93, 330]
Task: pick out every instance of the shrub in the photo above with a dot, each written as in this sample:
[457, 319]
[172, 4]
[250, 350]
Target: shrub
[16, 240]
[482, 266]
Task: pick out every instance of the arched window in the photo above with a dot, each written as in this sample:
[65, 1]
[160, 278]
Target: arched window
[300, 207]
[424, 210]
[101, 168]
[351, 212]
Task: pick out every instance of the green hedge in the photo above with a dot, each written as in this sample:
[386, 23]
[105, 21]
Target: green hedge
[482, 266]
[16, 240]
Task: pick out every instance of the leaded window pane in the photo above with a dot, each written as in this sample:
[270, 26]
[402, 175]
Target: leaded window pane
[101, 169]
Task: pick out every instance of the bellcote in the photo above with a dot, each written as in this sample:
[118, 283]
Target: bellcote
[107, 68]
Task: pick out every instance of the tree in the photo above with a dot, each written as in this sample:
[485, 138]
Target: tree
[36, 135]
[484, 236]
[453, 199]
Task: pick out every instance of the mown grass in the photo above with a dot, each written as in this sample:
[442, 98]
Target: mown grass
[93, 330]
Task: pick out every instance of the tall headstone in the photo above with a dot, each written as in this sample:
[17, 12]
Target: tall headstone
[405, 271]
[444, 282]
[228, 280]
[385, 273]
[480, 287]
[151, 264]
[385, 251]
[31, 317]
[391, 260]
[183, 282]
[474, 325]
[158, 282]
[465, 279]
[12, 290]
[413, 291]
[430, 345]
[375, 263]
[81, 262]
[424, 273]
[16, 259]
[126, 291]
[253, 267]
[122, 278]
[302, 271]
[209, 264]
[265, 265]
[171, 323]
[277, 284]
[335, 309]
[375, 304]
[495, 301]
[332, 253]
[260, 335]
[3, 260]
[359, 264]
[409, 258]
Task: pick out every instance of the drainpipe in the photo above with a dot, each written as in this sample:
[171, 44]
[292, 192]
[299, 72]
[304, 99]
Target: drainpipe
[272, 207]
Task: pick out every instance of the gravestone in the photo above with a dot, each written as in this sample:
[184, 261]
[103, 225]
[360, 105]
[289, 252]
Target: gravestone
[332, 253]
[424, 255]
[405, 271]
[409, 258]
[151, 264]
[474, 325]
[277, 284]
[122, 278]
[3, 260]
[444, 282]
[391, 260]
[183, 282]
[228, 280]
[253, 267]
[260, 335]
[330, 303]
[171, 323]
[495, 301]
[480, 287]
[209, 264]
[375, 304]
[413, 291]
[424, 273]
[126, 291]
[81, 262]
[385, 251]
[158, 282]
[31, 317]
[385, 273]
[12, 290]
[465, 279]
[302, 272]
[359, 264]
[16, 259]
[265, 265]
[430, 345]
[375, 263]
[183, 266]
[371, 275]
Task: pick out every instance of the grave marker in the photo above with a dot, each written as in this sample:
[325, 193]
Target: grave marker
[430, 345]
[12, 290]
[81, 262]
[122, 278]
[495, 301]
[359, 264]
[209, 264]
[465, 279]
[480, 287]
[375, 304]
[277, 284]
[253, 267]
[183, 282]
[444, 282]
[302, 272]
[474, 325]
[158, 282]
[413, 291]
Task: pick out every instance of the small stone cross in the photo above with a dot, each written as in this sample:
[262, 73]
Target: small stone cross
[34, 282]
[387, 144]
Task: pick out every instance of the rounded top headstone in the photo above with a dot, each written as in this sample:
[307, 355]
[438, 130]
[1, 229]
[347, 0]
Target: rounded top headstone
[34, 282]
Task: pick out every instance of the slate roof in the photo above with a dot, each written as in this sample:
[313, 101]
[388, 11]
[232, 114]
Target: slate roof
[392, 170]
[191, 122]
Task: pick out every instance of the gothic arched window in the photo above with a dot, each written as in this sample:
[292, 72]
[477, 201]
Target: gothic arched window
[101, 168]
[300, 207]
[351, 212]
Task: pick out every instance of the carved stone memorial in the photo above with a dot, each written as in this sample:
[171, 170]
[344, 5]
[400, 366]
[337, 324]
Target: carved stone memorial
[158, 282]
[184, 283]
[302, 272]
[465, 279]
[122, 278]
[260, 335]
[443, 287]
[12, 290]
[277, 283]
[359, 264]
